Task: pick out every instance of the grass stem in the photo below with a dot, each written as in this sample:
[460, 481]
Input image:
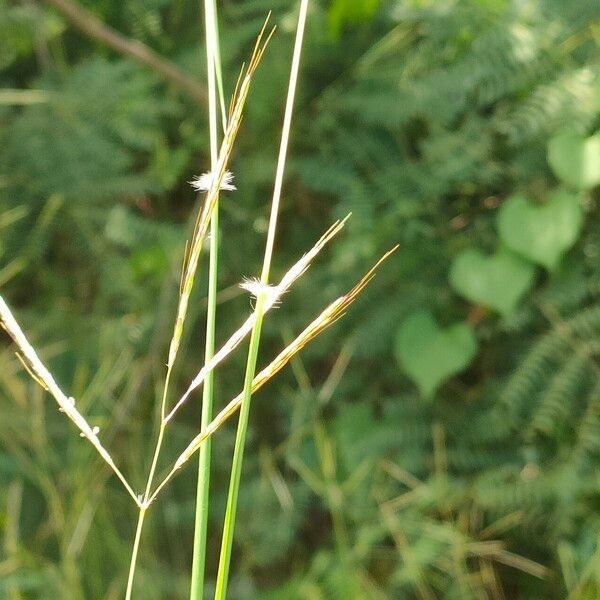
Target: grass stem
[144, 506]
[238, 455]
[203, 488]
[236, 467]
[134, 553]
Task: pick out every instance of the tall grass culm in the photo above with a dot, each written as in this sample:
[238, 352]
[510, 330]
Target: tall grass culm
[213, 70]
[266, 296]
[261, 296]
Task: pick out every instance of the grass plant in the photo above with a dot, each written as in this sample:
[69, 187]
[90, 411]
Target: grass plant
[266, 297]
[261, 297]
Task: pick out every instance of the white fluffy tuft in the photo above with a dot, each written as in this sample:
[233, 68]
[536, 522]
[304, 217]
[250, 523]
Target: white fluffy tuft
[203, 183]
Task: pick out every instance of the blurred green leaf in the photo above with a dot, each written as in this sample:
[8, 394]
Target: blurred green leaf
[575, 159]
[429, 354]
[541, 232]
[499, 281]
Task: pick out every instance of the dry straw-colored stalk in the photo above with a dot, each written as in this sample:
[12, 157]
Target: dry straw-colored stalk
[192, 258]
[66, 404]
[275, 294]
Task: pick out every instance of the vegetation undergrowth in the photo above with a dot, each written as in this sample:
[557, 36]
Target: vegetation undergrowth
[443, 443]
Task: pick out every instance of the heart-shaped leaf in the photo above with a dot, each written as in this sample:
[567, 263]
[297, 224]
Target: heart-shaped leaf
[430, 355]
[541, 232]
[497, 281]
[575, 159]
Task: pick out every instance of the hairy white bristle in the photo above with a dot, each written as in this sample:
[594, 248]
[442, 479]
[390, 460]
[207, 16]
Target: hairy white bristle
[203, 183]
[255, 287]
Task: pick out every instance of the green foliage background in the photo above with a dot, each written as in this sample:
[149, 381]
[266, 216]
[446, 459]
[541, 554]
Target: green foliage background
[422, 117]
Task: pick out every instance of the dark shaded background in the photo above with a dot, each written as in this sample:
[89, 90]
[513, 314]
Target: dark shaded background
[421, 117]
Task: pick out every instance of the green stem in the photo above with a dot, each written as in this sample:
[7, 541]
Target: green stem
[202, 494]
[142, 513]
[203, 488]
[238, 453]
[218, 70]
[161, 433]
[134, 553]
